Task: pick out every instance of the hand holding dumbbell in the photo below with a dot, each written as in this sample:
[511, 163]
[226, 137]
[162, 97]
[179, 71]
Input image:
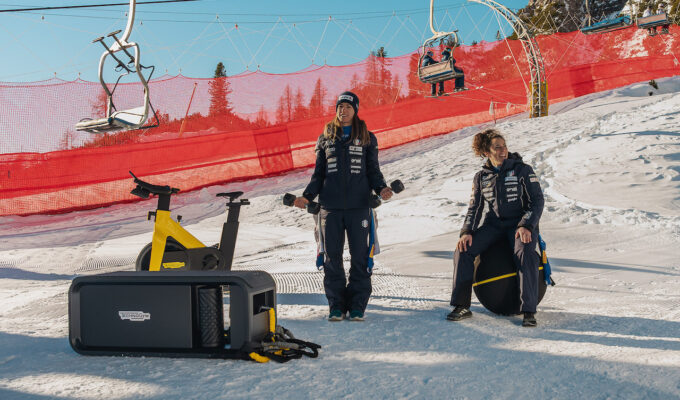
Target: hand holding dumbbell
[300, 202]
[386, 193]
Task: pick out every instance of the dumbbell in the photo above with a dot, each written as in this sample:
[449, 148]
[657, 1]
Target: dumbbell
[397, 187]
[312, 207]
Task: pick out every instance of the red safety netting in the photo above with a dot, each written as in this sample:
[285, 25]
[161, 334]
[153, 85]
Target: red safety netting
[256, 124]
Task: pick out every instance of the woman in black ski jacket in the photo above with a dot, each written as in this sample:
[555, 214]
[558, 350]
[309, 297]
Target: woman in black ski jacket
[511, 190]
[346, 172]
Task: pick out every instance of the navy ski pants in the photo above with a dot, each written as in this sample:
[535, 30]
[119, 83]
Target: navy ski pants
[341, 294]
[524, 256]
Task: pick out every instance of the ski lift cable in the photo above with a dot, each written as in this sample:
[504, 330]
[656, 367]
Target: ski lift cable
[366, 36]
[414, 32]
[422, 36]
[375, 44]
[188, 47]
[73, 57]
[489, 24]
[264, 41]
[330, 52]
[296, 27]
[473, 21]
[453, 23]
[27, 48]
[350, 15]
[46, 21]
[601, 55]
[526, 87]
[232, 41]
[325, 27]
[364, 44]
[245, 43]
[451, 20]
[408, 29]
[90, 6]
[396, 33]
[203, 53]
[143, 35]
[564, 53]
[271, 50]
[296, 40]
[349, 25]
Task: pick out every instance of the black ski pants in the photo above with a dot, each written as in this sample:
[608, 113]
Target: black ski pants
[524, 256]
[434, 88]
[341, 294]
[460, 81]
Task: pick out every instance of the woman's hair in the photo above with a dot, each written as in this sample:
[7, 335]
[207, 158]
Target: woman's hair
[333, 130]
[481, 143]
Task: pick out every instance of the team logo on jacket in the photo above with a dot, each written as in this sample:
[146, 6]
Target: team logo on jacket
[510, 176]
[356, 142]
[364, 223]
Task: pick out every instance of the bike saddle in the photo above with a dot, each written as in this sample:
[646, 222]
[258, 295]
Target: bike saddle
[232, 195]
[143, 189]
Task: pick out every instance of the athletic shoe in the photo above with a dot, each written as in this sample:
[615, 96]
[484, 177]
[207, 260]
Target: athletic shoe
[529, 320]
[459, 313]
[356, 315]
[336, 315]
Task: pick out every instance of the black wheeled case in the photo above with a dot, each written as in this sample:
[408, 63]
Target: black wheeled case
[179, 313]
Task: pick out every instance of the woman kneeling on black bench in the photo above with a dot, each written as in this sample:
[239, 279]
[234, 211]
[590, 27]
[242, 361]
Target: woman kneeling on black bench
[515, 201]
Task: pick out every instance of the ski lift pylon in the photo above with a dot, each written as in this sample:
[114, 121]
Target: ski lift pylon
[441, 71]
[133, 118]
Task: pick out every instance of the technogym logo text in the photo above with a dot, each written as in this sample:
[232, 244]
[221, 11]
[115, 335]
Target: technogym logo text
[134, 316]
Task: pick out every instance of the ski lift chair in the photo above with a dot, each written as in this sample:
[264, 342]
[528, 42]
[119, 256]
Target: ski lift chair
[607, 25]
[441, 71]
[116, 120]
[654, 21]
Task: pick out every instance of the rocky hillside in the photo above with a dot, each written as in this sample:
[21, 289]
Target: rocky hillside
[549, 16]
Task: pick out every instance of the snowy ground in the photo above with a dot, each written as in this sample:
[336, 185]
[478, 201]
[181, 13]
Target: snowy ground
[610, 167]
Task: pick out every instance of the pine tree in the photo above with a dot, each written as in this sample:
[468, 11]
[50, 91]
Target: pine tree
[318, 100]
[219, 91]
[284, 110]
[299, 109]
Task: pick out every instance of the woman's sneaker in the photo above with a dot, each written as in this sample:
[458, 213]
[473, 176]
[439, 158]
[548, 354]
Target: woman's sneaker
[356, 315]
[458, 313]
[336, 315]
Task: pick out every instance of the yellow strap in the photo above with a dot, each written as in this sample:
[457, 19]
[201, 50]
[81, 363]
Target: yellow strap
[173, 265]
[272, 320]
[259, 358]
[497, 278]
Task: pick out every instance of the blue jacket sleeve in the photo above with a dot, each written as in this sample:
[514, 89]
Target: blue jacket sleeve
[375, 177]
[475, 209]
[531, 191]
[316, 183]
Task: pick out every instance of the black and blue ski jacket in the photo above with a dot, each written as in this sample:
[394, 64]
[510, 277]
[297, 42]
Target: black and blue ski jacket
[512, 192]
[345, 173]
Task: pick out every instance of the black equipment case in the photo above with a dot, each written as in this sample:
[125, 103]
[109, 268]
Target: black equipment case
[174, 313]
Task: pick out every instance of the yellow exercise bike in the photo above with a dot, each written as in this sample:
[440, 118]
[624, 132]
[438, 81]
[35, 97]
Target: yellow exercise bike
[173, 247]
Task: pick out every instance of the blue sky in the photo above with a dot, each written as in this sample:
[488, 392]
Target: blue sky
[276, 36]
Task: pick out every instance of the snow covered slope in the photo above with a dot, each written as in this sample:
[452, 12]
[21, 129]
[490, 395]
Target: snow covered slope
[609, 164]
